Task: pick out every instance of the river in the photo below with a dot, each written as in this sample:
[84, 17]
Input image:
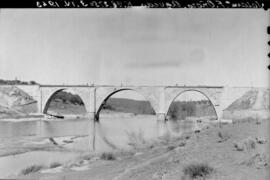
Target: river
[113, 132]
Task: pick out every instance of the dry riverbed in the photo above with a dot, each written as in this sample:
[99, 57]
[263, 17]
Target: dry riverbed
[237, 151]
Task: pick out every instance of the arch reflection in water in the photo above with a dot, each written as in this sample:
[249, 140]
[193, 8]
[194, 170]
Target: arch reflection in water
[126, 119]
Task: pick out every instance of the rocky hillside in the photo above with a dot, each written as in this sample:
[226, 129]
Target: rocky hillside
[254, 103]
[12, 96]
[14, 102]
[254, 99]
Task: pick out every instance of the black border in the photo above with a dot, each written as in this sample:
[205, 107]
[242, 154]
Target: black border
[131, 3]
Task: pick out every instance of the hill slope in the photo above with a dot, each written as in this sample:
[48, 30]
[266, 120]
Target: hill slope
[129, 106]
[14, 102]
[252, 104]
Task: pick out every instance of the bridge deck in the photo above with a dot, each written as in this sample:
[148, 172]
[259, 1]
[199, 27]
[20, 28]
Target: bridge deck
[45, 85]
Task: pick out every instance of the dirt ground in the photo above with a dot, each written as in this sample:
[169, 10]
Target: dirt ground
[236, 151]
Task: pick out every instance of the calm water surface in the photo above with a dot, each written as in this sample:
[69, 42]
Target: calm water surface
[112, 133]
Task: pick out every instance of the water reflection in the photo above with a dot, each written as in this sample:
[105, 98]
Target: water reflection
[181, 126]
[112, 133]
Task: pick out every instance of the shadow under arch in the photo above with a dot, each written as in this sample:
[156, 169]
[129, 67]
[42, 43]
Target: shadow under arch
[114, 92]
[193, 90]
[45, 109]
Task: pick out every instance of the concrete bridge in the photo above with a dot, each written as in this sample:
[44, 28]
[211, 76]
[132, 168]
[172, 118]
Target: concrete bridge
[94, 97]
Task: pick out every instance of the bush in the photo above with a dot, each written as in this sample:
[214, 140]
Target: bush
[170, 148]
[247, 145]
[14, 82]
[55, 164]
[31, 169]
[223, 136]
[32, 82]
[107, 156]
[198, 170]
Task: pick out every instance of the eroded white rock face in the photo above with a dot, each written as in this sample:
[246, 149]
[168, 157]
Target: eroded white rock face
[15, 101]
[12, 96]
[253, 104]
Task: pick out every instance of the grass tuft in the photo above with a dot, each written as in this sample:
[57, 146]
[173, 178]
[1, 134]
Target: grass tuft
[223, 136]
[107, 156]
[170, 148]
[31, 169]
[200, 170]
[220, 135]
[248, 144]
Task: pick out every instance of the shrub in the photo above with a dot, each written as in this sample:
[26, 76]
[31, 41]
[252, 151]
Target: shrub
[183, 143]
[220, 135]
[126, 153]
[170, 148]
[198, 170]
[31, 169]
[107, 156]
[55, 164]
[32, 82]
[223, 136]
[247, 145]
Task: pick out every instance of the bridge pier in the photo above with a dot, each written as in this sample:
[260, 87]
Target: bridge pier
[161, 117]
[92, 129]
[90, 115]
[162, 124]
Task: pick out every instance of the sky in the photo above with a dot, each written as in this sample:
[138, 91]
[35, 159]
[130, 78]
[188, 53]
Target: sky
[135, 46]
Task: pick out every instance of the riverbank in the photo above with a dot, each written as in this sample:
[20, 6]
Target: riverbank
[217, 145]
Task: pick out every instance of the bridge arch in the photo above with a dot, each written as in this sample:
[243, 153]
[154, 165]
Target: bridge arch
[51, 95]
[101, 104]
[193, 90]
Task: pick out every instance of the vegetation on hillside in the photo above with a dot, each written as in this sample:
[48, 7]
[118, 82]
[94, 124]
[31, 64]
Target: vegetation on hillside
[129, 106]
[67, 97]
[64, 103]
[179, 110]
[16, 82]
